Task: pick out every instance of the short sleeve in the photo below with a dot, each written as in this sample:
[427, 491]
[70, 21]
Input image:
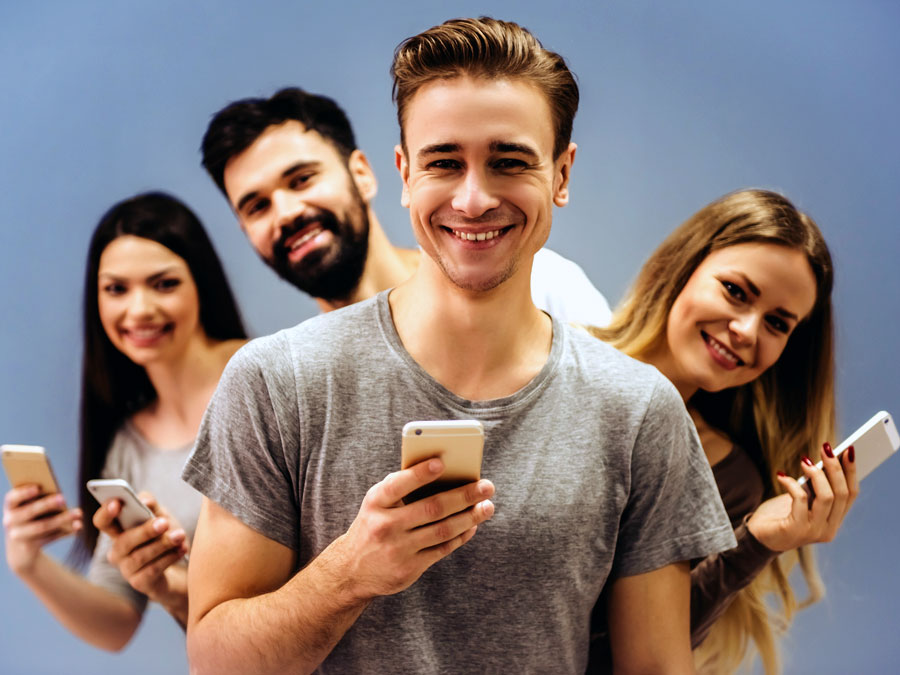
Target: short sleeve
[561, 288]
[246, 455]
[674, 511]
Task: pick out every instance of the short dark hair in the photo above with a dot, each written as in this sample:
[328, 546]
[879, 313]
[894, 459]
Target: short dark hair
[113, 387]
[236, 126]
[491, 49]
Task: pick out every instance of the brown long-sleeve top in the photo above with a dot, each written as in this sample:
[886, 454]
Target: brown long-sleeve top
[716, 579]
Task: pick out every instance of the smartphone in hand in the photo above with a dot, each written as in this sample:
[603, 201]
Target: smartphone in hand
[26, 464]
[458, 443]
[873, 442]
[134, 512]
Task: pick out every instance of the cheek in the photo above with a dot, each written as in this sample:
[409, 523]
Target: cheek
[770, 350]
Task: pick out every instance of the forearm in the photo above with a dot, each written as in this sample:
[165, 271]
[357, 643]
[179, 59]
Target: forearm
[292, 628]
[95, 615]
[718, 579]
[174, 598]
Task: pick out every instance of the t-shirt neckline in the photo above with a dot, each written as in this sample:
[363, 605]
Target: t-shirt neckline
[486, 408]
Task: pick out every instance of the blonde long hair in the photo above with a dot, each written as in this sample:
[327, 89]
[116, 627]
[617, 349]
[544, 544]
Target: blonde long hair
[784, 414]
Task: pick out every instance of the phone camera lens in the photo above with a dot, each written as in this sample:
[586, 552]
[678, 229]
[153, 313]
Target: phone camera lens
[418, 432]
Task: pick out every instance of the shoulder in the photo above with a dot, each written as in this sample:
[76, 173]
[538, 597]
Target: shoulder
[607, 363]
[317, 340]
[560, 287]
[123, 450]
[619, 388]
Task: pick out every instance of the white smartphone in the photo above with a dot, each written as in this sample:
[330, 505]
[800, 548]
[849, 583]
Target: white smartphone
[134, 512]
[873, 442]
[459, 444]
[25, 464]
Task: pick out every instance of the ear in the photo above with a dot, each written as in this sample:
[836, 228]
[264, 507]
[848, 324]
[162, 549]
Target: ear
[362, 174]
[562, 170]
[403, 167]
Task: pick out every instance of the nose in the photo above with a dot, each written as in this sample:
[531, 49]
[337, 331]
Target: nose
[140, 303]
[287, 206]
[474, 197]
[745, 327]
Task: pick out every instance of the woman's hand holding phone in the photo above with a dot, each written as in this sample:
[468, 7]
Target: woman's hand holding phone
[145, 553]
[31, 521]
[789, 520]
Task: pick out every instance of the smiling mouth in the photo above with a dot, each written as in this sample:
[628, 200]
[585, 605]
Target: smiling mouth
[725, 356]
[302, 237]
[478, 236]
[147, 334]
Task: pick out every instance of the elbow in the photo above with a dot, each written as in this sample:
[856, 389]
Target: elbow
[115, 641]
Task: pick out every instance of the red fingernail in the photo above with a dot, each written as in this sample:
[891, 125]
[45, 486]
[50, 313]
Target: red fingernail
[781, 474]
[827, 448]
[851, 454]
[807, 461]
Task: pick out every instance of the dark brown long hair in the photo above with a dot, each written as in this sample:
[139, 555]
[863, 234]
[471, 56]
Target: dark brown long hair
[112, 386]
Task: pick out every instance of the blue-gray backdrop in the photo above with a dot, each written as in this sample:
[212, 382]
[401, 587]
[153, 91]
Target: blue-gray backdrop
[682, 102]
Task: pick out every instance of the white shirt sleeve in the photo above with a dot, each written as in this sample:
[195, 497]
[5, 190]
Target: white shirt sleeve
[562, 289]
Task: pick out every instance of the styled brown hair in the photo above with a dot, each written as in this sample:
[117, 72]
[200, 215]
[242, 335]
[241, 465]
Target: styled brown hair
[487, 48]
[782, 415]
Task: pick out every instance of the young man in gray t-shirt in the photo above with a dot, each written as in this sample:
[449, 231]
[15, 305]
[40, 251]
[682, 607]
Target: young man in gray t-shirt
[305, 556]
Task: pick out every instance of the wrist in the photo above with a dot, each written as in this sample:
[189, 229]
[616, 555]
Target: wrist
[24, 567]
[336, 570]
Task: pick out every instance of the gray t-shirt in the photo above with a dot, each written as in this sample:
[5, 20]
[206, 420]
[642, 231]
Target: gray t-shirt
[156, 470]
[597, 467]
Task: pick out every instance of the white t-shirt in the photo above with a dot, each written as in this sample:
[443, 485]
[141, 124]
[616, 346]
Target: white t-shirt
[562, 289]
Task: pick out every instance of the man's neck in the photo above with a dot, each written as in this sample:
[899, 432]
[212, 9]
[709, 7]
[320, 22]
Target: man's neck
[387, 266]
[479, 345]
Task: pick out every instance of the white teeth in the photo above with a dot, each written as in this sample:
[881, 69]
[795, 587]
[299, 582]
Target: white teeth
[722, 351]
[480, 236]
[305, 238]
[146, 333]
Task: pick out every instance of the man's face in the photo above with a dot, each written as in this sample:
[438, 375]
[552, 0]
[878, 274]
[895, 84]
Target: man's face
[301, 208]
[479, 178]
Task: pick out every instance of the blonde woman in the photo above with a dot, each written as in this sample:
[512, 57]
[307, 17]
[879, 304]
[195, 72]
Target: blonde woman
[735, 309]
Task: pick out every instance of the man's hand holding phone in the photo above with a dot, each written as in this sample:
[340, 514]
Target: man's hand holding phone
[146, 552]
[390, 544]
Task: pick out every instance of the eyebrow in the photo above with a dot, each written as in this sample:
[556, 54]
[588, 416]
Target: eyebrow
[779, 310]
[292, 169]
[495, 146]
[169, 269]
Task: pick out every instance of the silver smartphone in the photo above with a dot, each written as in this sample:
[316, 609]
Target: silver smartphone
[134, 512]
[458, 443]
[873, 442]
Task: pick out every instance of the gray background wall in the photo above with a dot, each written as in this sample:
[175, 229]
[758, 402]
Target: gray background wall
[681, 103]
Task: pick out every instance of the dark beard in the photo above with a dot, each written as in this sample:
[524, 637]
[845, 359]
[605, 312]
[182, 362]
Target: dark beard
[331, 273]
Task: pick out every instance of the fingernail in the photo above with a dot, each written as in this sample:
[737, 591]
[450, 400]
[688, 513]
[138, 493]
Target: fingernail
[488, 507]
[160, 525]
[111, 507]
[781, 474]
[484, 487]
[434, 466]
[59, 500]
[851, 454]
[176, 537]
[807, 461]
[827, 448]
